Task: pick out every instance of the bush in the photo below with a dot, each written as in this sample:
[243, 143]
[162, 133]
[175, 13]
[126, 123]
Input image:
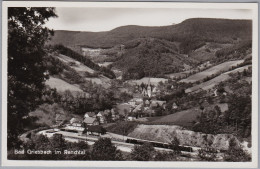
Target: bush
[103, 149]
[235, 153]
[145, 152]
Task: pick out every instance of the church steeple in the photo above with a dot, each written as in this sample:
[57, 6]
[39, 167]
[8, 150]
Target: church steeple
[149, 88]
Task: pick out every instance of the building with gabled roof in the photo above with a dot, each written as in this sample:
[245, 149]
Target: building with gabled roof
[90, 114]
[155, 103]
[75, 121]
[174, 106]
[101, 117]
[95, 130]
[90, 121]
[60, 118]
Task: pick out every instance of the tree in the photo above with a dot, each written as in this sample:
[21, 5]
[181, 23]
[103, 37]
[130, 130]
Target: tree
[145, 152]
[103, 149]
[82, 146]
[175, 146]
[58, 142]
[26, 69]
[235, 153]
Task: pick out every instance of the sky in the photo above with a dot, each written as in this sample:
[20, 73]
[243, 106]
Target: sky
[105, 19]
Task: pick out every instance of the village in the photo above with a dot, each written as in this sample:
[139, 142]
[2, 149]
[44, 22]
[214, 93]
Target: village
[142, 105]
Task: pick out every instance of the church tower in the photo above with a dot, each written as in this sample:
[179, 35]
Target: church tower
[149, 88]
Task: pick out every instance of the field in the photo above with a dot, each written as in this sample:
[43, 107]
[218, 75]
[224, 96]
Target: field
[223, 67]
[81, 69]
[185, 118]
[178, 75]
[145, 80]
[215, 81]
[61, 85]
[186, 73]
[102, 80]
[182, 118]
[207, 52]
[76, 65]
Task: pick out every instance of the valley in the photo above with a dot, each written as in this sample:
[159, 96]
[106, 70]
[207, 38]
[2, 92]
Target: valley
[189, 82]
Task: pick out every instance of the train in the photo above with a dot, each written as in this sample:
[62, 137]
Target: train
[158, 144]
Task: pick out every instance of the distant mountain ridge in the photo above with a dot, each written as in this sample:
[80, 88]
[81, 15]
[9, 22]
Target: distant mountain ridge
[203, 29]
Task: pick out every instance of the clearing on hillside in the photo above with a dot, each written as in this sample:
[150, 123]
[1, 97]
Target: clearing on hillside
[182, 118]
[81, 69]
[102, 80]
[61, 85]
[223, 67]
[213, 82]
[186, 118]
[76, 65]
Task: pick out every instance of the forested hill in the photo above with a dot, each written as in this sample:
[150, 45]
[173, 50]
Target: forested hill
[151, 57]
[197, 29]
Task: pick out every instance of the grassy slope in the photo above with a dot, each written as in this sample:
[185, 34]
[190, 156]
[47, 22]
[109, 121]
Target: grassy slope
[61, 85]
[213, 82]
[182, 118]
[213, 70]
[185, 118]
[79, 67]
[207, 52]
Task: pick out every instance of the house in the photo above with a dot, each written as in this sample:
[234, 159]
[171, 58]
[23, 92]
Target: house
[95, 130]
[75, 121]
[155, 103]
[101, 117]
[114, 114]
[138, 108]
[90, 121]
[147, 103]
[138, 101]
[131, 118]
[79, 129]
[154, 89]
[90, 114]
[174, 106]
[60, 118]
[106, 112]
[132, 102]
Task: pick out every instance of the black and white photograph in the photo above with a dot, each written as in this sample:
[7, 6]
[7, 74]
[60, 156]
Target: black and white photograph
[131, 84]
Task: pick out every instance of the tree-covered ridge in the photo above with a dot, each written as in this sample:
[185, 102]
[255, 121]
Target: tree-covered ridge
[199, 29]
[151, 57]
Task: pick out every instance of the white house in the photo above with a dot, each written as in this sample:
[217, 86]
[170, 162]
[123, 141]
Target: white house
[101, 117]
[131, 118]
